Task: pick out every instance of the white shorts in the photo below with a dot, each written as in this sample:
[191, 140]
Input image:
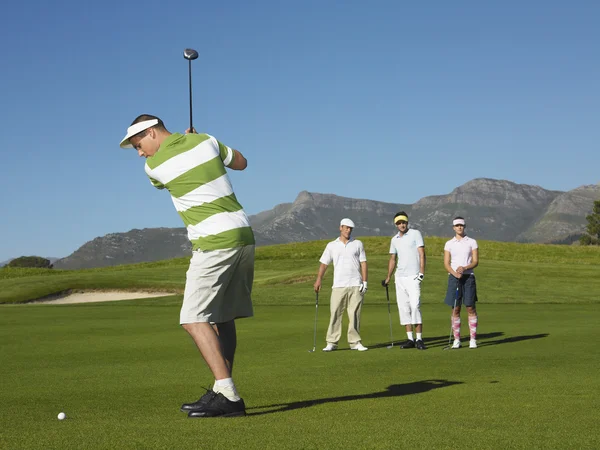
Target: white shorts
[218, 286]
[408, 297]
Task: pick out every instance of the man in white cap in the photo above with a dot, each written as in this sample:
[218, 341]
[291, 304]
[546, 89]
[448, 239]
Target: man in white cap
[219, 279]
[407, 258]
[461, 256]
[349, 285]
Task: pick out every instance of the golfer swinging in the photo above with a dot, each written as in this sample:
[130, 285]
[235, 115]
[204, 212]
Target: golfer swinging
[409, 249]
[349, 285]
[219, 279]
[461, 256]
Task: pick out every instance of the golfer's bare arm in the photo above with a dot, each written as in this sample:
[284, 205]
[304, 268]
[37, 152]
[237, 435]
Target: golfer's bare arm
[391, 267]
[474, 259]
[422, 259]
[364, 270]
[238, 161]
[322, 269]
[448, 266]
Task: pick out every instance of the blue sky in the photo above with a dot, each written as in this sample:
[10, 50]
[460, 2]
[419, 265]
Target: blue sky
[384, 100]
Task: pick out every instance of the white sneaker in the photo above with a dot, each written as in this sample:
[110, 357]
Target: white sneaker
[456, 344]
[330, 348]
[359, 347]
[473, 343]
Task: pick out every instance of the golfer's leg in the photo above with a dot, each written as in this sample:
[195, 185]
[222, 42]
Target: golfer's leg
[404, 306]
[228, 339]
[208, 343]
[355, 299]
[415, 307]
[334, 331]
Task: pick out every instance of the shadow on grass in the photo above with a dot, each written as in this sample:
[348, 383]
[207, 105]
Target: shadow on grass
[512, 339]
[395, 390]
[483, 340]
[437, 341]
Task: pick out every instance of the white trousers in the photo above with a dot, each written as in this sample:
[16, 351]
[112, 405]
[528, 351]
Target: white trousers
[408, 297]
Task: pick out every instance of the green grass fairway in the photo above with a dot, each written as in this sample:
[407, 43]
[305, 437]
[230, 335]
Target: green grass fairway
[120, 370]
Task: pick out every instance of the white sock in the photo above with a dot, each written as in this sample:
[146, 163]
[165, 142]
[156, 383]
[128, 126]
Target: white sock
[419, 336]
[227, 388]
[410, 336]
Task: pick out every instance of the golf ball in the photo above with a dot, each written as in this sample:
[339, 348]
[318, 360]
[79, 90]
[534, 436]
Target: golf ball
[62, 416]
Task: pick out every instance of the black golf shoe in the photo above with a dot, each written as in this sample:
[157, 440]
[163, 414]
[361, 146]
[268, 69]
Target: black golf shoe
[421, 345]
[408, 344]
[219, 406]
[198, 404]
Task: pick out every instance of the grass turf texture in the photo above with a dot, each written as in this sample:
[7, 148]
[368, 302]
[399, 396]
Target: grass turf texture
[120, 370]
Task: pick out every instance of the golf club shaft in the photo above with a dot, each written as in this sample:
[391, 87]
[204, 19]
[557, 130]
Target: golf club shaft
[190, 82]
[387, 294]
[316, 315]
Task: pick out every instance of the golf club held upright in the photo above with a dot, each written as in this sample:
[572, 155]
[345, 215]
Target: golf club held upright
[190, 54]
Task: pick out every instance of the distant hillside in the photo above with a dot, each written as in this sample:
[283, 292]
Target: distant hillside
[149, 244]
[496, 210]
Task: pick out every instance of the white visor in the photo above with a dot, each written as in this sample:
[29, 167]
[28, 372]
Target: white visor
[347, 222]
[458, 222]
[135, 129]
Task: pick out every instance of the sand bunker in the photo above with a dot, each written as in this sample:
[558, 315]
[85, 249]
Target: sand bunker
[90, 297]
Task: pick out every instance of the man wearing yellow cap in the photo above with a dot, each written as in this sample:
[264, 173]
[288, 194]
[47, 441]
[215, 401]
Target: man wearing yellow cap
[349, 285]
[407, 257]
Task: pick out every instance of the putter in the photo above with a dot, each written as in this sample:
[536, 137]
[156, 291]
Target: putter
[387, 294]
[449, 346]
[315, 331]
[190, 54]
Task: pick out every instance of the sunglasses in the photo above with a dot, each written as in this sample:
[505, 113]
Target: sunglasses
[400, 222]
[459, 225]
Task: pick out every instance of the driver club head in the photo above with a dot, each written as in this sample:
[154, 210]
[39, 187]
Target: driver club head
[190, 54]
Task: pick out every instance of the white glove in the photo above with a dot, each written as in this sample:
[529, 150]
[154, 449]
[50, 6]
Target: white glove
[363, 287]
[420, 277]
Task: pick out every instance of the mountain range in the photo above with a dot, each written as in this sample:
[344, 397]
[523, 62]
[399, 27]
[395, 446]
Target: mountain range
[497, 210]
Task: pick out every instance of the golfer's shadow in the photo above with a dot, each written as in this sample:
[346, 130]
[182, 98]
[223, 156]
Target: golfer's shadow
[436, 341]
[395, 390]
[483, 340]
[513, 339]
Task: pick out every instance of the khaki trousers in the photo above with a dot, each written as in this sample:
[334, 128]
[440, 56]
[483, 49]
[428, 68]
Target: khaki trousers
[345, 298]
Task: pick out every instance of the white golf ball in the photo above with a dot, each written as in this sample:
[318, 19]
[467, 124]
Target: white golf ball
[62, 416]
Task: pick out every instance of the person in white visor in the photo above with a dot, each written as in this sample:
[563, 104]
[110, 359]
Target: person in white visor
[461, 256]
[349, 285]
[192, 168]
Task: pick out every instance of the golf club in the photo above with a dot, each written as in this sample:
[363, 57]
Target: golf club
[449, 346]
[190, 54]
[387, 294]
[315, 331]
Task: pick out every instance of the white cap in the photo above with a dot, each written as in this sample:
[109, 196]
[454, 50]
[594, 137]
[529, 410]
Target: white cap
[347, 222]
[135, 129]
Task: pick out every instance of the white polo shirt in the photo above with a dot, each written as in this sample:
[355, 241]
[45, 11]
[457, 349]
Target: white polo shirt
[461, 252]
[346, 260]
[408, 262]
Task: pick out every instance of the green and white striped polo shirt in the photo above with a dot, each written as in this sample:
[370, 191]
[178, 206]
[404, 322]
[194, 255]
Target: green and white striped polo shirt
[192, 168]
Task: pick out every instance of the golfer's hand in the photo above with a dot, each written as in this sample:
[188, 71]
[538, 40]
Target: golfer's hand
[188, 131]
[420, 277]
[363, 287]
[317, 285]
[460, 270]
[385, 282]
